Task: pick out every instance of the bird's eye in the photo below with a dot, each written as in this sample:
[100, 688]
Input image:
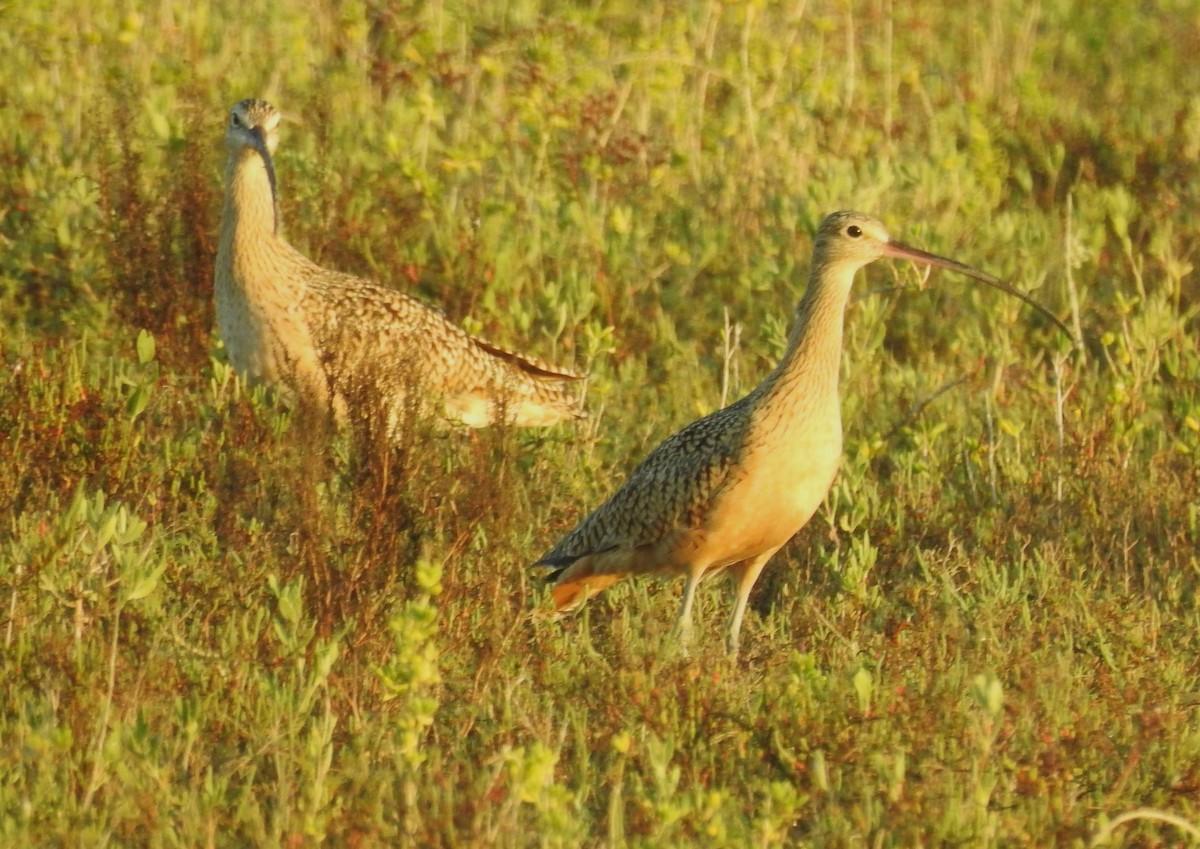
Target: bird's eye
[853, 231]
[234, 119]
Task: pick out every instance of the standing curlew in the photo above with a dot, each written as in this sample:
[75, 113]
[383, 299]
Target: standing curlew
[339, 340]
[729, 490]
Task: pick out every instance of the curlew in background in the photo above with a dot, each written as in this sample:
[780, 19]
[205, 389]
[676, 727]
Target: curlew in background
[345, 343]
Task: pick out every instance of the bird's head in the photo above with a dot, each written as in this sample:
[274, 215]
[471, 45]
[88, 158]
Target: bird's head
[851, 240]
[253, 124]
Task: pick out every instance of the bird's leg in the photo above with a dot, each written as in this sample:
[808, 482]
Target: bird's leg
[745, 573]
[683, 625]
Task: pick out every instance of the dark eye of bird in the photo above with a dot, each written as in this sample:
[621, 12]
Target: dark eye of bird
[853, 231]
[234, 119]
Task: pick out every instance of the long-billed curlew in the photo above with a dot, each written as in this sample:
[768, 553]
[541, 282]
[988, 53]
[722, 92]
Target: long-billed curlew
[342, 341]
[729, 490]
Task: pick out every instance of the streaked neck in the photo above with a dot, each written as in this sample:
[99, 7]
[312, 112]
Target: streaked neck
[811, 363]
[251, 207]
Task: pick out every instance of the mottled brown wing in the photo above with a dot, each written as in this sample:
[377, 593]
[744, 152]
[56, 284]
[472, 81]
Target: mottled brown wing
[671, 489]
[369, 328]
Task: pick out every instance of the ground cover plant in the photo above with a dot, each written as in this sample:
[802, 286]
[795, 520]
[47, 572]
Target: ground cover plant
[223, 624]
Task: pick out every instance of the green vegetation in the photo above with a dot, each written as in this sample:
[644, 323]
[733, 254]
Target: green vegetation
[221, 627]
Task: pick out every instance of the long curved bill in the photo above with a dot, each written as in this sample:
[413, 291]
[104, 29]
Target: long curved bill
[899, 250]
[260, 144]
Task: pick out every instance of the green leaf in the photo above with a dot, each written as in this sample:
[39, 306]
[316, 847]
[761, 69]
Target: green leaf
[145, 584]
[63, 233]
[160, 125]
[864, 683]
[145, 346]
[137, 402]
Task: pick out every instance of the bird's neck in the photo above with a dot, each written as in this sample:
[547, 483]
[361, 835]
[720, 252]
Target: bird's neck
[251, 212]
[808, 372]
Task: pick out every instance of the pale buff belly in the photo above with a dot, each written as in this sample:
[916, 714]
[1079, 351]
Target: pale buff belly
[772, 498]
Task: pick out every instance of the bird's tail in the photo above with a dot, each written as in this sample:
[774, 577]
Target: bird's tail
[577, 581]
[571, 594]
[539, 394]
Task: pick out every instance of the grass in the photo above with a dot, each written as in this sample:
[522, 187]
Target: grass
[224, 626]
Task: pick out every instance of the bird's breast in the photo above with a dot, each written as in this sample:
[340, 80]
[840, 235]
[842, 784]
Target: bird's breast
[243, 330]
[262, 317]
